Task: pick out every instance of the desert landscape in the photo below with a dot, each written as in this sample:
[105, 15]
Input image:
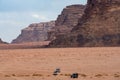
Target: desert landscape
[81, 43]
[39, 64]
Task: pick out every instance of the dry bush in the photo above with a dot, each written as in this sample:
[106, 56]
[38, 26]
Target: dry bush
[116, 75]
[83, 75]
[48, 75]
[35, 74]
[61, 74]
[23, 75]
[98, 75]
[13, 75]
[67, 74]
[7, 76]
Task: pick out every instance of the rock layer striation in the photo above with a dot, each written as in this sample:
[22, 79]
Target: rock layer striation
[67, 20]
[35, 32]
[49, 30]
[99, 26]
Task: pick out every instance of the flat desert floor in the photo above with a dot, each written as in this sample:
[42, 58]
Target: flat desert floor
[39, 64]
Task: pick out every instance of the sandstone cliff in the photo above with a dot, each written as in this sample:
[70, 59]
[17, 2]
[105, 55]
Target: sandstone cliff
[67, 20]
[99, 26]
[49, 30]
[35, 32]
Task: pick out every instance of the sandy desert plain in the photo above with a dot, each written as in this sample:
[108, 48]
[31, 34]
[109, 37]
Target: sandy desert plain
[39, 64]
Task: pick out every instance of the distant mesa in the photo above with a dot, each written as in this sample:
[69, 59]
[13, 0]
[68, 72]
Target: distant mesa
[35, 32]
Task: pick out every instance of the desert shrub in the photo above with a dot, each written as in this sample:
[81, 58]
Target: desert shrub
[48, 75]
[7, 76]
[67, 74]
[35, 74]
[116, 75]
[23, 75]
[13, 75]
[83, 75]
[61, 74]
[98, 75]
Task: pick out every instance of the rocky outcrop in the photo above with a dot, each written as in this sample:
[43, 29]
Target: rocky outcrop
[49, 30]
[67, 20]
[2, 42]
[99, 26]
[35, 32]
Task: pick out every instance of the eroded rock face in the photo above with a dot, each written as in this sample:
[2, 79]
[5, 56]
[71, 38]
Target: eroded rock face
[67, 20]
[35, 32]
[49, 30]
[99, 26]
[2, 42]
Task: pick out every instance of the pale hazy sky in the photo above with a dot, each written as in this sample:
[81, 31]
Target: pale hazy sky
[18, 14]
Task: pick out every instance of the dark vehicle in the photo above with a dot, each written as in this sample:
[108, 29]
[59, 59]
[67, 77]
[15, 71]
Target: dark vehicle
[56, 71]
[74, 75]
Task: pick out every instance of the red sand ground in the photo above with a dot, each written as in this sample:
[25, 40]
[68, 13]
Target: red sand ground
[29, 45]
[39, 64]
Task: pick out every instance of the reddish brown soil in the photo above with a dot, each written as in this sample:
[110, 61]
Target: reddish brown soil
[39, 64]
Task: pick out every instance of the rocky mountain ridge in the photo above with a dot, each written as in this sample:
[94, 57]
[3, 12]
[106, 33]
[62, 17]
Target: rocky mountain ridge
[99, 26]
[48, 31]
[67, 20]
[96, 24]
